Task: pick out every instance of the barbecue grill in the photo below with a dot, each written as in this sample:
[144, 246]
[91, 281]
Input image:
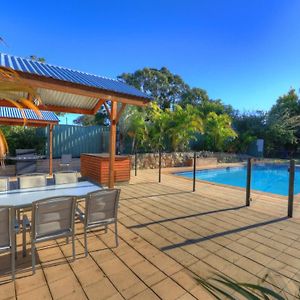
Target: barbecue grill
[25, 160]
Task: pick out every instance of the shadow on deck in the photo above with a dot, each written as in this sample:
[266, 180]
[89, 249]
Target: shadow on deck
[223, 233]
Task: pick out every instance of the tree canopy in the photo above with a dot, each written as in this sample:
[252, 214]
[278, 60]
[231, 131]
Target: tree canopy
[165, 87]
[283, 124]
[279, 127]
[100, 118]
[154, 129]
[182, 117]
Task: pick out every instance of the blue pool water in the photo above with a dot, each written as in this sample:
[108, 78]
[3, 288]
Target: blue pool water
[271, 178]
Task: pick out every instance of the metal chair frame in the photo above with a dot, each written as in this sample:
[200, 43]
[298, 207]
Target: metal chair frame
[66, 160]
[84, 217]
[59, 180]
[11, 245]
[5, 181]
[32, 175]
[26, 222]
[68, 232]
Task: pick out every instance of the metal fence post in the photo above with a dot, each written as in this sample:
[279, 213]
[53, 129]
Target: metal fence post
[159, 166]
[194, 171]
[135, 164]
[248, 183]
[291, 188]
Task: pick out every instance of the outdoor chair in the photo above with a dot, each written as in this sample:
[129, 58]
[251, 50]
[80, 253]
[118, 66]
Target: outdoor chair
[4, 184]
[101, 209]
[66, 160]
[26, 182]
[52, 218]
[65, 177]
[8, 234]
[32, 181]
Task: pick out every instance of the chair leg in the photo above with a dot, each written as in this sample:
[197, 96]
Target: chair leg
[67, 240]
[73, 246]
[24, 238]
[13, 261]
[106, 228]
[19, 217]
[13, 276]
[15, 253]
[33, 256]
[116, 234]
[85, 243]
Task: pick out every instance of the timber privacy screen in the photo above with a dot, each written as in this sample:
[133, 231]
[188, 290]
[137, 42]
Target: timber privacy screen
[72, 139]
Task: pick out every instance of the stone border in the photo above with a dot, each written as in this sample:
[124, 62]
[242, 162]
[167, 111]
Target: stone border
[184, 159]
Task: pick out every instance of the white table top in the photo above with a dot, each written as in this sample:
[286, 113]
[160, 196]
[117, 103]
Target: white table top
[23, 198]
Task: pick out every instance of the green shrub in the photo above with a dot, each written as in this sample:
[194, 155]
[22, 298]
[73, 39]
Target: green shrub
[20, 137]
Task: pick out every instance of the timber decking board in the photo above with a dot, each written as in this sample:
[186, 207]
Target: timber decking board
[168, 235]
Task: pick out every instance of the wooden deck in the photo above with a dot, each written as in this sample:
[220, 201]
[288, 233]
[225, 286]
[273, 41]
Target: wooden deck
[168, 235]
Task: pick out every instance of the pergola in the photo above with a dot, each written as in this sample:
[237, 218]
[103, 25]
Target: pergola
[12, 116]
[65, 90]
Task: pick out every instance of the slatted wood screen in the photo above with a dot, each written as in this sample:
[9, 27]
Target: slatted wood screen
[96, 168]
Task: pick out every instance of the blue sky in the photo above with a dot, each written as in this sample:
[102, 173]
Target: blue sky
[245, 52]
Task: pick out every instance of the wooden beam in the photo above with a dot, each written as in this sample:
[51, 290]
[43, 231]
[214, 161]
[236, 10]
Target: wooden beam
[55, 108]
[98, 105]
[112, 144]
[50, 149]
[65, 109]
[20, 122]
[82, 90]
[120, 112]
[107, 109]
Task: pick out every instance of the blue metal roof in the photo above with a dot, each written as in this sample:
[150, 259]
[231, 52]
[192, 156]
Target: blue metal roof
[15, 113]
[65, 74]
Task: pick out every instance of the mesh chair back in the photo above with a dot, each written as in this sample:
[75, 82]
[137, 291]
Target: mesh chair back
[66, 159]
[53, 216]
[4, 184]
[65, 177]
[32, 181]
[4, 227]
[102, 206]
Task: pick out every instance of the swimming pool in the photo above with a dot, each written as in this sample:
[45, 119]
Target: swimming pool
[271, 178]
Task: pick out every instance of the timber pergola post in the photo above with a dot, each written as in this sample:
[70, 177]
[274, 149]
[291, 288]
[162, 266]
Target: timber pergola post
[71, 91]
[114, 116]
[50, 149]
[13, 117]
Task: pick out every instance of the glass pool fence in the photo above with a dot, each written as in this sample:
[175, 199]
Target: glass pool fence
[278, 177]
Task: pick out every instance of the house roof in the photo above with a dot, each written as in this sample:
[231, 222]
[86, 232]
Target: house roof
[61, 87]
[14, 116]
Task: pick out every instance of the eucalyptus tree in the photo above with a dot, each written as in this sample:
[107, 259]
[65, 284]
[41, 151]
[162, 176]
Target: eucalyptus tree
[165, 87]
[283, 124]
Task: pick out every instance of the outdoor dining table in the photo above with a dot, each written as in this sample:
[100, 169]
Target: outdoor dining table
[23, 198]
